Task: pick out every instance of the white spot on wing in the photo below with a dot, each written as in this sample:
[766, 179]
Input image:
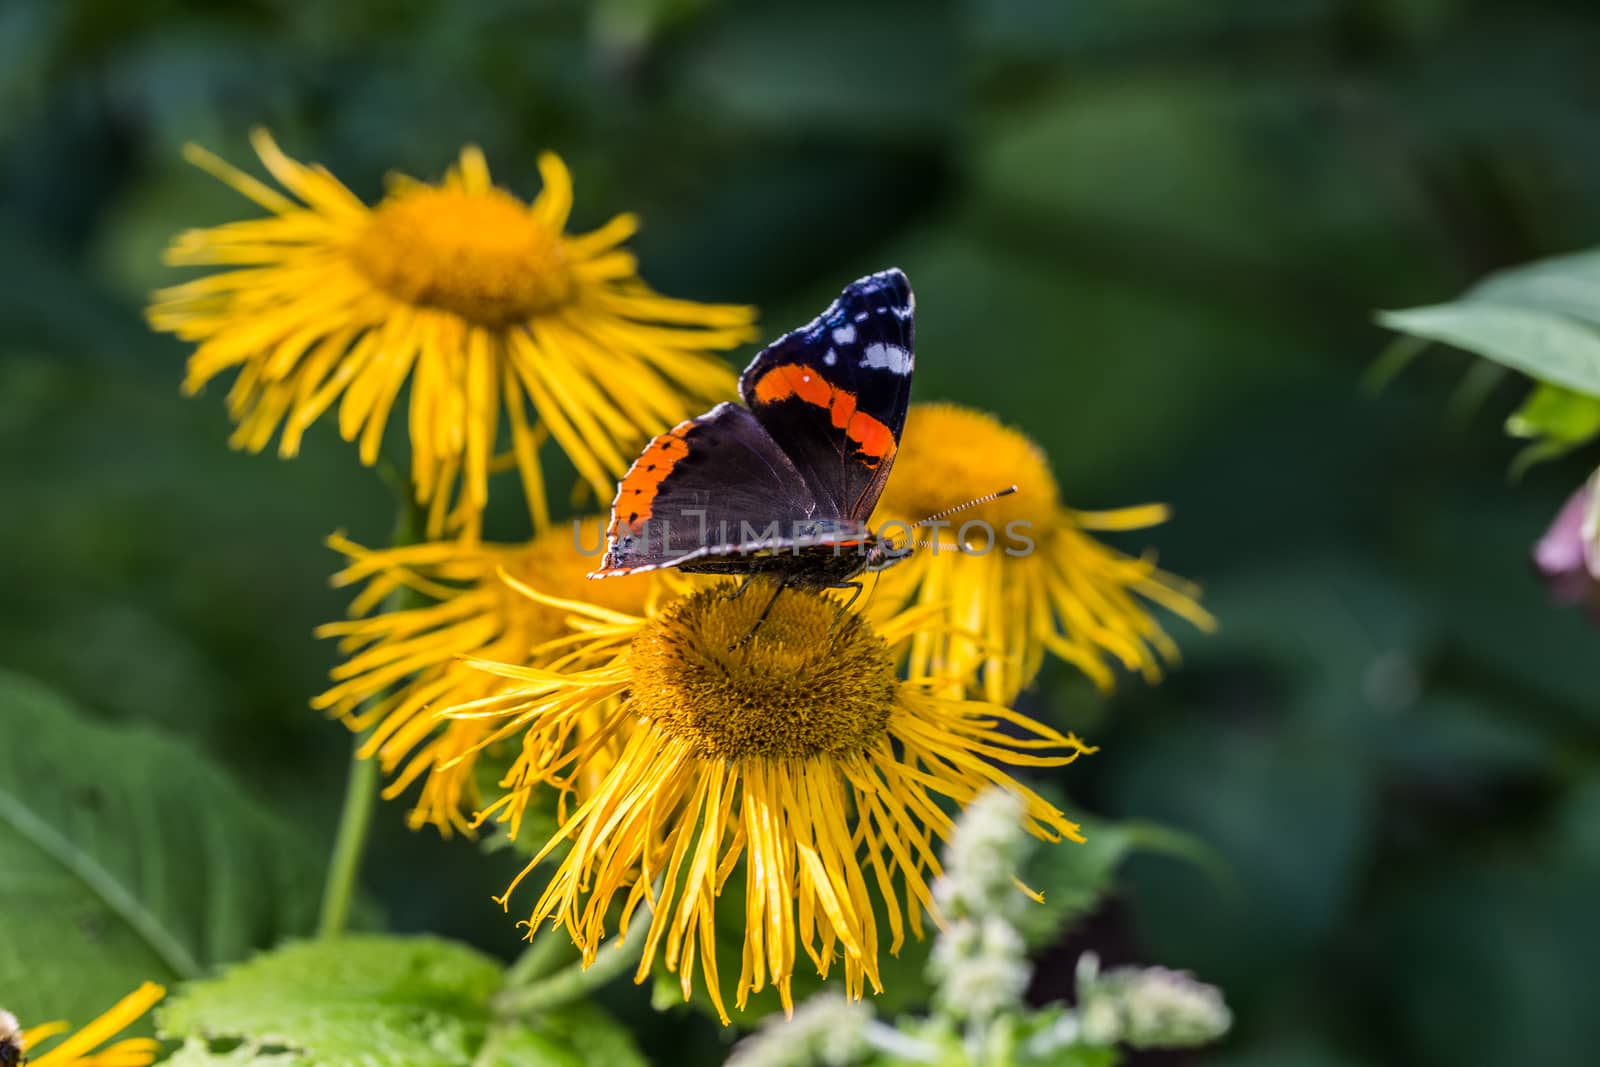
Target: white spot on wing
[861, 316]
[892, 358]
[831, 358]
[844, 335]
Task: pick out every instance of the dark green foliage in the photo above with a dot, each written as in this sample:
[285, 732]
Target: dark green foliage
[129, 857]
[1152, 234]
[399, 1002]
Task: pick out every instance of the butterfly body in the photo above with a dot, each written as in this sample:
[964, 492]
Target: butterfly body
[783, 485]
[11, 1047]
[808, 567]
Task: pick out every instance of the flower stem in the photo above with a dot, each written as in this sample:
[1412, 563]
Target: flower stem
[574, 982]
[542, 956]
[355, 820]
[361, 785]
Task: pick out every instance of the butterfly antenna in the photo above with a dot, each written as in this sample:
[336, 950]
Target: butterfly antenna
[912, 542]
[974, 502]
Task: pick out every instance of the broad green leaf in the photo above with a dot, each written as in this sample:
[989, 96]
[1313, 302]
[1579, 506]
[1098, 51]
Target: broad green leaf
[1565, 285]
[579, 1035]
[399, 1002]
[1542, 344]
[197, 1053]
[128, 857]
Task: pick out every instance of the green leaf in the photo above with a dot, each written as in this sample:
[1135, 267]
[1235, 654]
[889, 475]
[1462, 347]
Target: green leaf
[580, 1035]
[355, 1000]
[196, 1053]
[1557, 420]
[1542, 344]
[128, 857]
[1539, 319]
[1563, 285]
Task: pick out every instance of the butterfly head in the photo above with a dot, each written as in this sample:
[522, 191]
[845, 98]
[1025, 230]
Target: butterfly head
[882, 554]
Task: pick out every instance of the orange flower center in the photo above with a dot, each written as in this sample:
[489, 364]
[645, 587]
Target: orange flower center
[810, 683]
[483, 256]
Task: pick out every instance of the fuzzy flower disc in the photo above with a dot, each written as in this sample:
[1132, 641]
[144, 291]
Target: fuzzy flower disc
[804, 687]
[482, 256]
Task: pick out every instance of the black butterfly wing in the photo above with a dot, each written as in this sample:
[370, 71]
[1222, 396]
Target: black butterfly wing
[834, 392]
[708, 486]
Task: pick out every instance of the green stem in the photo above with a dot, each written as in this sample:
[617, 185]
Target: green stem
[574, 982]
[362, 784]
[355, 821]
[548, 950]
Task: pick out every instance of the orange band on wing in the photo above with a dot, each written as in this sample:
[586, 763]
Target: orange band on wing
[871, 437]
[636, 493]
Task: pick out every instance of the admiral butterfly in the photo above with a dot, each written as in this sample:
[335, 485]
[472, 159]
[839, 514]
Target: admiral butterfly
[783, 486]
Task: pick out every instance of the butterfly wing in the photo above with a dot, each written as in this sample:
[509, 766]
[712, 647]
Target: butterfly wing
[834, 392]
[708, 486]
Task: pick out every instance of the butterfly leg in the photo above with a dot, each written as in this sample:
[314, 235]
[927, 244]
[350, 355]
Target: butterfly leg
[739, 592]
[776, 593]
[855, 594]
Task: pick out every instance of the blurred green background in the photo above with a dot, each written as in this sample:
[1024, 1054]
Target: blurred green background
[1150, 232]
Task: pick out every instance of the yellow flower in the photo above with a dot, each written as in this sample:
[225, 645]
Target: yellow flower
[480, 300]
[79, 1050]
[1032, 581]
[798, 751]
[402, 664]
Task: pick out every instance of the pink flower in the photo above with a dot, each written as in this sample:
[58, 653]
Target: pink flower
[1567, 556]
